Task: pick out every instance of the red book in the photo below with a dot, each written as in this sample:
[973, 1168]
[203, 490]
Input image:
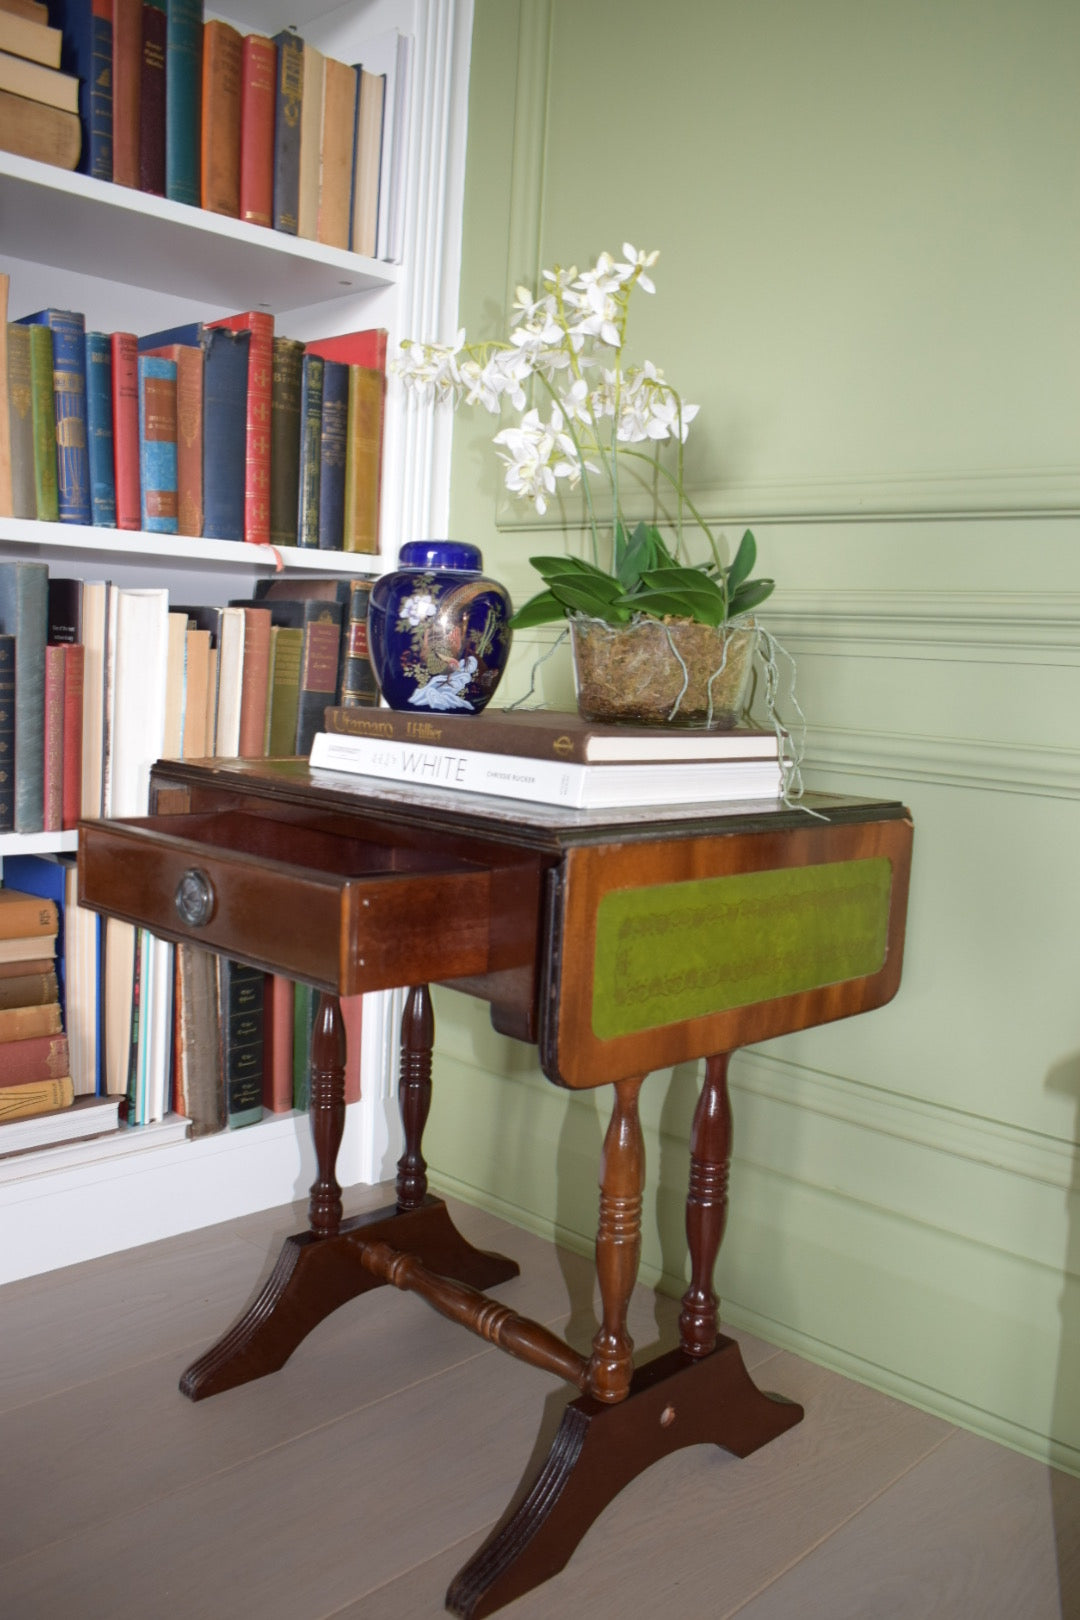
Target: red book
[125, 370]
[189, 434]
[255, 678]
[54, 740]
[127, 28]
[366, 348]
[258, 88]
[221, 59]
[42, 1057]
[351, 1013]
[278, 1044]
[152, 101]
[71, 791]
[260, 385]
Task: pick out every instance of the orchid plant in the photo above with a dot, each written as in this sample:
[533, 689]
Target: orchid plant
[604, 426]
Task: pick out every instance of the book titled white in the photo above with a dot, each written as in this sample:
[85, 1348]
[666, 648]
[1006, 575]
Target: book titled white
[547, 781]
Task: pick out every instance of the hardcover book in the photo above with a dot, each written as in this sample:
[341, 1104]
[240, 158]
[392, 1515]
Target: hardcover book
[311, 389]
[53, 788]
[26, 913]
[254, 682]
[36, 83]
[363, 459]
[222, 59]
[258, 73]
[285, 442]
[7, 735]
[20, 421]
[199, 1082]
[336, 153]
[332, 443]
[39, 1097]
[23, 614]
[74, 655]
[257, 421]
[65, 610]
[189, 433]
[321, 622]
[157, 444]
[29, 989]
[357, 686]
[367, 140]
[46, 134]
[22, 36]
[152, 99]
[183, 86]
[43, 413]
[42, 1057]
[241, 1003]
[225, 384]
[99, 429]
[311, 107]
[284, 703]
[86, 55]
[288, 102]
[125, 407]
[127, 26]
[7, 508]
[29, 1023]
[362, 348]
[68, 330]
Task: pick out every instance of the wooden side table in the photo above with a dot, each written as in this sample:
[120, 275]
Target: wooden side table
[619, 945]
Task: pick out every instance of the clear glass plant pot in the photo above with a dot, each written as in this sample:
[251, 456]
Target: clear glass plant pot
[657, 673]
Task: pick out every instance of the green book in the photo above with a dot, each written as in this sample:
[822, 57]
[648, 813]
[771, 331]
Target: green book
[21, 421]
[43, 411]
[284, 691]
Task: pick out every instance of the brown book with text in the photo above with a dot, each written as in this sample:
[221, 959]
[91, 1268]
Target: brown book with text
[223, 51]
[363, 459]
[26, 916]
[336, 153]
[127, 27]
[255, 680]
[29, 1022]
[38, 1097]
[31, 129]
[258, 92]
[43, 1057]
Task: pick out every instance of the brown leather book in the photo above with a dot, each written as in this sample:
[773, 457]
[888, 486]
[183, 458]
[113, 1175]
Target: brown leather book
[223, 49]
[38, 83]
[6, 490]
[28, 989]
[24, 916]
[285, 442]
[363, 459]
[31, 129]
[71, 772]
[39, 1097]
[152, 99]
[33, 10]
[54, 738]
[127, 87]
[42, 1057]
[258, 91]
[311, 110]
[255, 679]
[336, 153]
[30, 1022]
[369, 121]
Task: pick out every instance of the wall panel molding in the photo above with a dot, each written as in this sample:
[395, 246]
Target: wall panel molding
[995, 767]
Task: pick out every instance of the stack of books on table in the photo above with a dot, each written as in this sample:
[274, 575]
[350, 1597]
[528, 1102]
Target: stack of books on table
[551, 757]
[39, 104]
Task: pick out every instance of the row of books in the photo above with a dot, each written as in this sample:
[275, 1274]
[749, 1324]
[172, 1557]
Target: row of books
[552, 757]
[141, 679]
[217, 429]
[147, 94]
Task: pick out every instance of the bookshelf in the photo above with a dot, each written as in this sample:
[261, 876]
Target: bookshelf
[135, 262]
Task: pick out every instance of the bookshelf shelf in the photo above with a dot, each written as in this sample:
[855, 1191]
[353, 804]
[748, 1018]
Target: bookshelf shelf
[43, 843]
[52, 541]
[74, 222]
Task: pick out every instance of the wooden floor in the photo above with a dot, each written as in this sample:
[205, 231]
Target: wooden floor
[356, 1481]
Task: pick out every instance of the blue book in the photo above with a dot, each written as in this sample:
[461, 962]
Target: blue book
[7, 733]
[333, 435]
[24, 614]
[288, 102]
[79, 982]
[69, 398]
[86, 52]
[225, 378]
[157, 444]
[311, 385]
[190, 336]
[99, 429]
[183, 100]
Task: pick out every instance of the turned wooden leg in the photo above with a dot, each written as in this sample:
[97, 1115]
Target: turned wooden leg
[327, 1114]
[706, 1206]
[618, 1243]
[417, 1041]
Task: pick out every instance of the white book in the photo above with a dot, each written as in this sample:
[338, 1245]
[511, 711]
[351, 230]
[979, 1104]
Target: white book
[88, 1131]
[547, 781]
[388, 56]
[87, 1116]
[138, 655]
[230, 682]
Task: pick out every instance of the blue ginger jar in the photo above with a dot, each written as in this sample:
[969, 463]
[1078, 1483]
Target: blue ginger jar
[438, 629]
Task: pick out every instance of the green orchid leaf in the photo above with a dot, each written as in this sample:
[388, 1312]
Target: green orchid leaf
[750, 595]
[677, 605]
[589, 596]
[540, 609]
[633, 554]
[743, 563]
[546, 566]
[681, 578]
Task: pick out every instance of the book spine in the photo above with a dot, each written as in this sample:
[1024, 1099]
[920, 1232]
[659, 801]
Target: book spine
[357, 686]
[318, 671]
[284, 692]
[255, 679]
[127, 40]
[99, 429]
[363, 458]
[332, 437]
[493, 733]
[157, 444]
[285, 442]
[189, 440]
[288, 100]
[46, 493]
[125, 407]
[23, 614]
[65, 609]
[21, 422]
[221, 75]
[311, 386]
[71, 794]
[101, 90]
[459, 769]
[40, 1097]
[29, 1023]
[225, 383]
[257, 96]
[69, 400]
[53, 799]
[242, 996]
[183, 84]
[27, 913]
[336, 153]
[200, 1091]
[7, 507]
[305, 1001]
[7, 737]
[29, 989]
[311, 112]
[44, 1057]
[33, 130]
[152, 99]
[260, 385]
[278, 1045]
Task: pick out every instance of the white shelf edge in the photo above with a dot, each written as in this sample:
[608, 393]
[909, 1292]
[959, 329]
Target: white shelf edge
[183, 550]
[42, 843]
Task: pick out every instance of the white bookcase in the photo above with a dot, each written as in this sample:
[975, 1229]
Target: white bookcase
[138, 263]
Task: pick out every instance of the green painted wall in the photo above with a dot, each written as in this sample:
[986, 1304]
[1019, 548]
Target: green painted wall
[870, 280]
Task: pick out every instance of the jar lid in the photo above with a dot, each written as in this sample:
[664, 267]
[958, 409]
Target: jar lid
[440, 554]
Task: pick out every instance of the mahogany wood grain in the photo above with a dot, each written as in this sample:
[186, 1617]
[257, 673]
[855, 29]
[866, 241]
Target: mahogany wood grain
[674, 1401]
[706, 1206]
[618, 1243]
[327, 1105]
[414, 1093]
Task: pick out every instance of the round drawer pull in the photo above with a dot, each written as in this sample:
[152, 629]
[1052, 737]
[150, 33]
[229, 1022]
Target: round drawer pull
[195, 898]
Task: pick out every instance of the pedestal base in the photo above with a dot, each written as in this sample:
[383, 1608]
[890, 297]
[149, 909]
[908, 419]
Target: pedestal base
[675, 1401]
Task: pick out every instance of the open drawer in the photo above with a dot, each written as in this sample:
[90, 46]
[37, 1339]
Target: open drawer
[342, 913]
